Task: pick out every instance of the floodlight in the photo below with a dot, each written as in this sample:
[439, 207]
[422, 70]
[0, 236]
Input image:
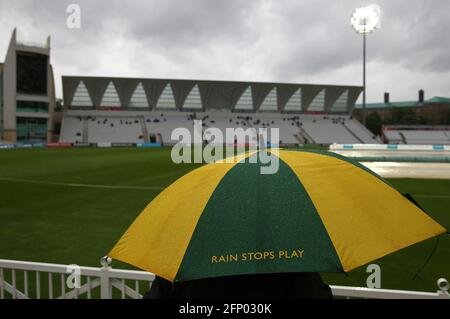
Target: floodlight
[365, 20]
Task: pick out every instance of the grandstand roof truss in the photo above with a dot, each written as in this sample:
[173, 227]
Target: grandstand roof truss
[147, 94]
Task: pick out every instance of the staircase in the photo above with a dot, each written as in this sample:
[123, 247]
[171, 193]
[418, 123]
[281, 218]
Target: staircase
[144, 129]
[300, 138]
[403, 137]
[308, 139]
[85, 131]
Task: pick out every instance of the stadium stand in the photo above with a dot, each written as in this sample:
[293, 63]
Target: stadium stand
[419, 135]
[163, 123]
[72, 129]
[363, 134]
[135, 127]
[114, 130]
[127, 110]
[393, 137]
[326, 131]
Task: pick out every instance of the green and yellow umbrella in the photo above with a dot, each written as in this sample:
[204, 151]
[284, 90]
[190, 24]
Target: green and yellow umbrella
[320, 212]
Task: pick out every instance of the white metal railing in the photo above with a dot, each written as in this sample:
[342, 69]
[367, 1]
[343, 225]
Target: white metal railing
[72, 281]
[372, 293]
[43, 280]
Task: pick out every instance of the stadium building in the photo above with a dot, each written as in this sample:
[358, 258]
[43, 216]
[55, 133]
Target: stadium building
[434, 108]
[132, 110]
[423, 121]
[27, 93]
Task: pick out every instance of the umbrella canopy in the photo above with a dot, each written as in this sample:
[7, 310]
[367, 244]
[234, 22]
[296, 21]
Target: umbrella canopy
[320, 212]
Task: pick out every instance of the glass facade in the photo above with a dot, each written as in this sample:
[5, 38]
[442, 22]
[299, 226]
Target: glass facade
[340, 106]
[245, 101]
[31, 73]
[110, 97]
[81, 98]
[194, 100]
[31, 130]
[31, 106]
[318, 104]
[166, 99]
[139, 98]
[270, 102]
[295, 102]
[1, 102]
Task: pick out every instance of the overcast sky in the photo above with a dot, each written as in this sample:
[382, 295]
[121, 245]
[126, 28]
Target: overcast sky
[298, 41]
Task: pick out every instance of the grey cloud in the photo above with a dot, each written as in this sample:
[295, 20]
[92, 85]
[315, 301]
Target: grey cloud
[262, 40]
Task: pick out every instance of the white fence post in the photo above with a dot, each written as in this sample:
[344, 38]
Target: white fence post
[105, 280]
[2, 288]
[443, 286]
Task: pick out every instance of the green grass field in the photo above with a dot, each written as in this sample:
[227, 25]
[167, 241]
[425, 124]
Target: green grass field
[70, 206]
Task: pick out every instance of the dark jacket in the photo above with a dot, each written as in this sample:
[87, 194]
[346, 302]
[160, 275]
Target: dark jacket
[283, 285]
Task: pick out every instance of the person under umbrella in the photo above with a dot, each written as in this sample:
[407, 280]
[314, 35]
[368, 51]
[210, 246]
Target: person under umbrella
[225, 229]
[259, 286]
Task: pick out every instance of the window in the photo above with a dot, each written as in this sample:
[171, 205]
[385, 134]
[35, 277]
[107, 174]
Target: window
[110, 98]
[30, 130]
[31, 73]
[139, 98]
[194, 100]
[31, 106]
[295, 102]
[270, 103]
[81, 98]
[318, 104]
[166, 99]
[340, 106]
[245, 101]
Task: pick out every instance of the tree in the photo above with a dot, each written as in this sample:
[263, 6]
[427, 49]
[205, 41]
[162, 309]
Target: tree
[409, 119]
[445, 120]
[374, 122]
